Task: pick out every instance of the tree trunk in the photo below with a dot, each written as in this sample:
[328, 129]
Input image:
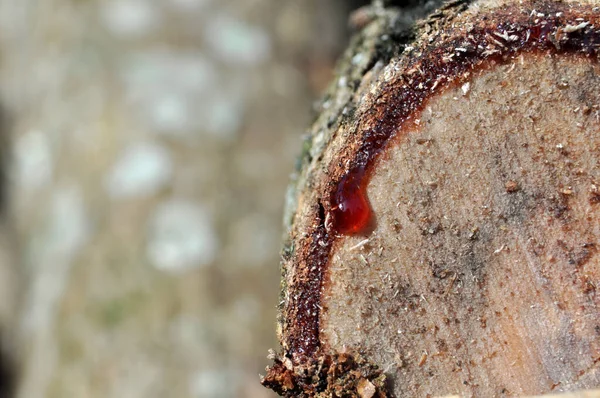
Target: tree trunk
[443, 226]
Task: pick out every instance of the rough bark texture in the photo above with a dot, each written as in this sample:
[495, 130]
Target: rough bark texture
[443, 224]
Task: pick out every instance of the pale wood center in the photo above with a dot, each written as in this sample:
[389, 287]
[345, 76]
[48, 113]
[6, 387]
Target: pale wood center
[480, 275]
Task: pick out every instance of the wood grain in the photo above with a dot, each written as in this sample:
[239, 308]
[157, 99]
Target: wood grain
[474, 140]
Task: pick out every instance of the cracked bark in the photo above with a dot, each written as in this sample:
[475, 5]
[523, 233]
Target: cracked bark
[442, 230]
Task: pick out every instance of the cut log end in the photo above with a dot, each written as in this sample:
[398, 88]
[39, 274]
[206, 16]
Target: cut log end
[480, 274]
[477, 155]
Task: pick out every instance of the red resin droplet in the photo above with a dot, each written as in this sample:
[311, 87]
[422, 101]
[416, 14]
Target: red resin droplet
[351, 211]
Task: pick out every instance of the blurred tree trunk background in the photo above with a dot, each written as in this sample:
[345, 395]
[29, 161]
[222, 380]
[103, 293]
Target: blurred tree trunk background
[147, 145]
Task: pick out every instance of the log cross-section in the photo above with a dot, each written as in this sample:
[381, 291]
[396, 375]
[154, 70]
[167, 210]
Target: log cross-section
[443, 228]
